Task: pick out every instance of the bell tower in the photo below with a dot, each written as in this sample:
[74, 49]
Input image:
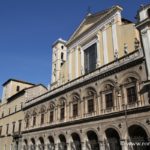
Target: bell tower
[59, 52]
[143, 25]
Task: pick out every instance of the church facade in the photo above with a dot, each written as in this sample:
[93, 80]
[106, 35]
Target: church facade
[100, 89]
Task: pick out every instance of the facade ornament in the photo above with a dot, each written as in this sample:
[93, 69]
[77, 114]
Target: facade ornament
[136, 44]
[116, 54]
[125, 48]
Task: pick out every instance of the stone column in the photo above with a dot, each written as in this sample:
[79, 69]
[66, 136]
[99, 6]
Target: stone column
[98, 51]
[138, 94]
[105, 49]
[82, 61]
[76, 62]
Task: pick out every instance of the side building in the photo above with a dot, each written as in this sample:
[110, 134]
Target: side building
[15, 94]
[100, 89]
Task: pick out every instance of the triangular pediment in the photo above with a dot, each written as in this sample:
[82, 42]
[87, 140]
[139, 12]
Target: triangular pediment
[89, 21]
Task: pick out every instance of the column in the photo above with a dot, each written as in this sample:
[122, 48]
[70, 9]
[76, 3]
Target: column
[82, 61]
[77, 62]
[146, 44]
[139, 103]
[114, 38]
[98, 51]
[104, 36]
[70, 65]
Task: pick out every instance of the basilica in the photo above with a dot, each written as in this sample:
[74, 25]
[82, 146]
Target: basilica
[99, 96]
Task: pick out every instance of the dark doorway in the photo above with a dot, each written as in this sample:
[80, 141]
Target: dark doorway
[93, 140]
[41, 146]
[33, 146]
[76, 141]
[113, 139]
[63, 143]
[138, 137]
[51, 145]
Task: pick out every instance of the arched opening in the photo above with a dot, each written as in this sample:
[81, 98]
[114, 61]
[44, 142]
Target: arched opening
[51, 144]
[92, 143]
[33, 145]
[63, 144]
[16, 145]
[113, 139]
[76, 145]
[41, 145]
[139, 137]
[25, 147]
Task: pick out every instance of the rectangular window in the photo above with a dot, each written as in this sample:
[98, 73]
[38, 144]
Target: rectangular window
[7, 129]
[34, 120]
[109, 100]
[90, 105]
[20, 122]
[90, 57]
[62, 113]
[51, 116]
[131, 95]
[75, 110]
[27, 123]
[1, 130]
[13, 130]
[42, 118]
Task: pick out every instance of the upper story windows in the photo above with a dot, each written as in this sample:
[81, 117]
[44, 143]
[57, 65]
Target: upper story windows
[62, 105]
[1, 127]
[90, 98]
[34, 117]
[109, 100]
[42, 112]
[75, 105]
[90, 58]
[51, 112]
[109, 96]
[131, 90]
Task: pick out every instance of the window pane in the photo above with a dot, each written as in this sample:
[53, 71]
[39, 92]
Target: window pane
[90, 106]
[51, 116]
[42, 118]
[34, 120]
[131, 95]
[75, 110]
[90, 57]
[62, 113]
[109, 100]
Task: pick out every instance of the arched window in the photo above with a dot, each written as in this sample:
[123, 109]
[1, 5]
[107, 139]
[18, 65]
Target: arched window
[75, 105]
[62, 109]
[131, 90]
[42, 111]
[27, 120]
[34, 118]
[90, 98]
[51, 112]
[109, 96]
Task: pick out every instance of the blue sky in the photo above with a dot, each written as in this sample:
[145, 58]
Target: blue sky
[29, 27]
